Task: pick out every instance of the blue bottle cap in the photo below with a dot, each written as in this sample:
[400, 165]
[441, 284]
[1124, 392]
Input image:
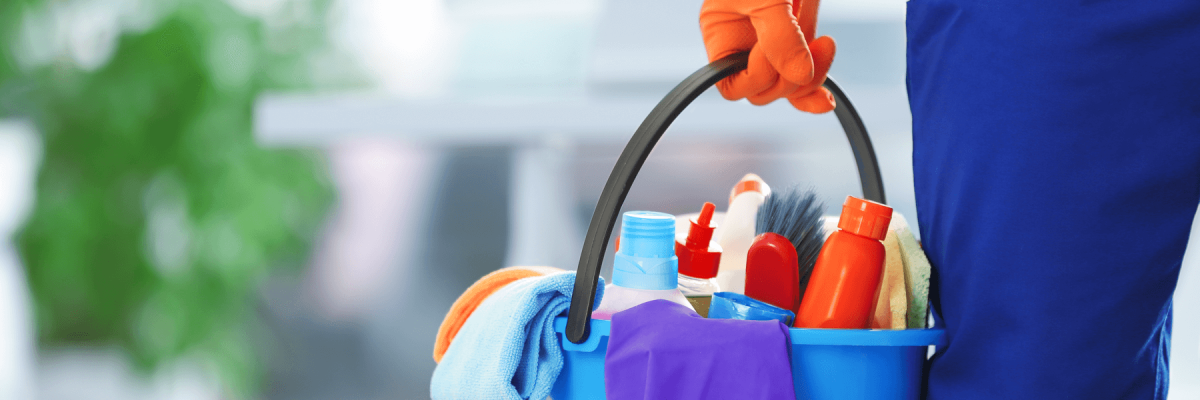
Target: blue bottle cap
[646, 258]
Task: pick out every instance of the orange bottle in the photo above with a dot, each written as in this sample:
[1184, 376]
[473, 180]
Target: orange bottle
[845, 280]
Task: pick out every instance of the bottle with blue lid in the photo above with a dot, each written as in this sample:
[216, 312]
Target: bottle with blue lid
[645, 267]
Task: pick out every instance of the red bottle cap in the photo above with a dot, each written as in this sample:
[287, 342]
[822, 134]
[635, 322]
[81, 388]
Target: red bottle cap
[698, 256]
[865, 218]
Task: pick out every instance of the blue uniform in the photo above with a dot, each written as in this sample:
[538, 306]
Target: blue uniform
[1056, 152]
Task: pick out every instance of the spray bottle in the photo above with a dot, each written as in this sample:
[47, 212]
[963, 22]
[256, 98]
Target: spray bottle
[699, 260]
[736, 232]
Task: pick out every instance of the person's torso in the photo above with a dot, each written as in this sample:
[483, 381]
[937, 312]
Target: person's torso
[1056, 155]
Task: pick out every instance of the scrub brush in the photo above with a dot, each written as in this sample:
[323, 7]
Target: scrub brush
[790, 236]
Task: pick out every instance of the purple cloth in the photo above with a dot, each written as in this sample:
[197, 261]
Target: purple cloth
[662, 350]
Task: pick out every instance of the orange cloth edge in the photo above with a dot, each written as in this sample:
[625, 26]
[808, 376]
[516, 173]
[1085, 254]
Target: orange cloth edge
[474, 296]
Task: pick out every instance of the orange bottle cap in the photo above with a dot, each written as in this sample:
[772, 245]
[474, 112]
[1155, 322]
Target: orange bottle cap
[749, 183]
[865, 218]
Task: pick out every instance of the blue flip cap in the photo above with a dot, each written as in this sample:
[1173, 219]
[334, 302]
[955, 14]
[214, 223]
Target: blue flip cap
[729, 305]
[646, 257]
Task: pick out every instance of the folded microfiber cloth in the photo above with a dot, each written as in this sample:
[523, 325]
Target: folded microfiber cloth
[474, 296]
[891, 305]
[916, 272]
[508, 349]
[662, 350]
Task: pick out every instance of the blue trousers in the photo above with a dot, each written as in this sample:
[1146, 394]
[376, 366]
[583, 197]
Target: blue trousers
[1056, 158]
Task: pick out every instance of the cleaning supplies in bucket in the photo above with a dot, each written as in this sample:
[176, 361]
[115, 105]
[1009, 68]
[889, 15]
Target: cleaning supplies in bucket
[826, 364]
[737, 231]
[645, 267]
[699, 258]
[845, 279]
[781, 257]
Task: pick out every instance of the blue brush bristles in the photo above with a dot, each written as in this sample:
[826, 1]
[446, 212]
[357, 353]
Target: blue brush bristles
[796, 215]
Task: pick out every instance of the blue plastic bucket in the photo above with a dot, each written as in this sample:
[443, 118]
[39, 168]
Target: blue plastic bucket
[827, 364]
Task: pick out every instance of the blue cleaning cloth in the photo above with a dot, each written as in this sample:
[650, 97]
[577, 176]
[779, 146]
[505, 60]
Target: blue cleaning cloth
[662, 350]
[508, 349]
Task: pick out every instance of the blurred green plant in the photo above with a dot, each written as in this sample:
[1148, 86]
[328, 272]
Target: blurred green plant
[157, 214]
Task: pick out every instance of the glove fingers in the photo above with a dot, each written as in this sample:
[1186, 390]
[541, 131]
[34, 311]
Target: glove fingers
[780, 90]
[784, 45]
[806, 16]
[823, 49]
[758, 77]
[817, 102]
[813, 97]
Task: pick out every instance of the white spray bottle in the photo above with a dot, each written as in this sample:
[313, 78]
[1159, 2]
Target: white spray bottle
[736, 232]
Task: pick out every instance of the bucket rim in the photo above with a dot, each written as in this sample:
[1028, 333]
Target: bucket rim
[868, 337]
[807, 336]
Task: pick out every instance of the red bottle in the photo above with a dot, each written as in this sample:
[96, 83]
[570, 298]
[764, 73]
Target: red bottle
[845, 280]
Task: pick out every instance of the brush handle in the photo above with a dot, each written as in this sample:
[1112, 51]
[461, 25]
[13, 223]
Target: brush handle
[608, 208]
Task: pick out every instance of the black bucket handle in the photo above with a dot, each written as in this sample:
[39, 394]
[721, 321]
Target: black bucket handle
[644, 139]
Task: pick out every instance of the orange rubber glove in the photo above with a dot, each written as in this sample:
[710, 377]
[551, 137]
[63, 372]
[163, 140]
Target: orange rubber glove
[783, 63]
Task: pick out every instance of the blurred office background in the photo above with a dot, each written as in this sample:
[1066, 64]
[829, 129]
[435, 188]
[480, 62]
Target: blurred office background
[279, 199]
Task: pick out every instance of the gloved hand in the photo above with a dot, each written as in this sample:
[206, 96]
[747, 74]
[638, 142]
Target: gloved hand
[783, 63]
